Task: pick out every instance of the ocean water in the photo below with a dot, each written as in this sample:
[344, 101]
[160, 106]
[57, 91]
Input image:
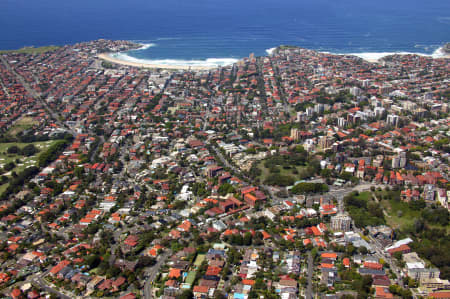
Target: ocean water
[218, 32]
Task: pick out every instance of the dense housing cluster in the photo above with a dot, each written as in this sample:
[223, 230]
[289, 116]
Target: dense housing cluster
[292, 175]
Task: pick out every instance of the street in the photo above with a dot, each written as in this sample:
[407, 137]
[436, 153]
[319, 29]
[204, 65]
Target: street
[309, 288]
[153, 271]
[40, 282]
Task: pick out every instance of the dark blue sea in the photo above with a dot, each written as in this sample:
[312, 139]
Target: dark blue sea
[176, 30]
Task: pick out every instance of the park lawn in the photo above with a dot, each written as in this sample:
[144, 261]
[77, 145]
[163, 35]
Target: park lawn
[31, 50]
[24, 161]
[21, 125]
[366, 195]
[408, 215]
[265, 172]
[380, 194]
[3, 187]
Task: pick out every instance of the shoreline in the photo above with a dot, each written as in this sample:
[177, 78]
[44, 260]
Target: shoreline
[107, 57]
[371, 57]
[375, 57]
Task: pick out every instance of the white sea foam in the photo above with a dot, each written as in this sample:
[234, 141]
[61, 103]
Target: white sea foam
[375, 56]
[270, 51]
[168, 38]
[146, 46]
[443, 20]
[210, 62]
[439, 53]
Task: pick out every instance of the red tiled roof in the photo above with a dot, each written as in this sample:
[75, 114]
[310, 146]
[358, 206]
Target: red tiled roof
[174, 273]
[437, 295]
[200, 289]
[329, 255]
[59, 267]
[248, 282]
[128, 296]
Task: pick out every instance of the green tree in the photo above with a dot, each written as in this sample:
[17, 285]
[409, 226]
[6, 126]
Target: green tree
[14, 149]
[9, 166]
[304, 188]
[52, 153]
[247, 240]
[29, 150]
[225, 189]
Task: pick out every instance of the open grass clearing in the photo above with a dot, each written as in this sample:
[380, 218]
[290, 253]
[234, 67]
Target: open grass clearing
[31, 50]
[401, 215]
[23, 161]
[3, 187]
[364, 196]
[21, 125]
[265, 172]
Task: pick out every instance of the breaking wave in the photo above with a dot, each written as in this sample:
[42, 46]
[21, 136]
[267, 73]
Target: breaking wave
[270, 51]
[209, 62]
[146, 46]
[374, 56]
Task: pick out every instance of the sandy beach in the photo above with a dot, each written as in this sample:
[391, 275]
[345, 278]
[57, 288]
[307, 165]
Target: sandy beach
[107, 57]
[369, 57]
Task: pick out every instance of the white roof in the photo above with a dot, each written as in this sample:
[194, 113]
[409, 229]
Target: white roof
[399, 243]
[416, 265]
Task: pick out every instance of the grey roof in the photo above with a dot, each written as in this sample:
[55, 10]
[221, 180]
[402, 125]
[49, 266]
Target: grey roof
[366, 271]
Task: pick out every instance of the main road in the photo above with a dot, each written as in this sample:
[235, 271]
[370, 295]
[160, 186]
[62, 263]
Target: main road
[152, 272]
[309, 288]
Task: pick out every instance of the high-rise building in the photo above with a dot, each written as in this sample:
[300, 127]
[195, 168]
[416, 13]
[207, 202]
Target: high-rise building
[341, 222]
[319, 108]
[399, 161]
[353, 118]
[379, 111]
[355, 91]
[325, 142]
[309, 111]
[342, 122]
[365, 83]
[301, 116]
[395, 162]
[295, 133]
[392, 119]
[403, 160]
